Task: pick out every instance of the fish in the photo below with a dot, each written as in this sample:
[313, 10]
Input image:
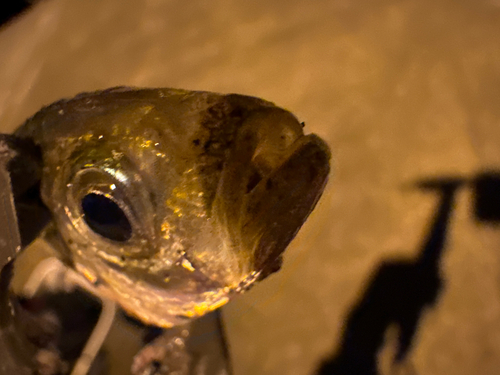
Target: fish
[172, 202]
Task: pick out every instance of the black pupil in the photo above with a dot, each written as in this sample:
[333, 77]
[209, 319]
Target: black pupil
[105, 217]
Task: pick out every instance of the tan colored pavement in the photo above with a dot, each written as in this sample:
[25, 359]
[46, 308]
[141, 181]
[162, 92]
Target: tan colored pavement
[401, 90]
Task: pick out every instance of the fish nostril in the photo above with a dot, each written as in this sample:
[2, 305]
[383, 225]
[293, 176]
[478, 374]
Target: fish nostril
[105, 217]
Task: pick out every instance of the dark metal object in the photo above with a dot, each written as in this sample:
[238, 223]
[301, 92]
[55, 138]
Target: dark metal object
[18, 174]
[22, 209]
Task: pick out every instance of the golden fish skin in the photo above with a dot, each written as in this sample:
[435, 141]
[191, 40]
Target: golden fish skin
[173, 201]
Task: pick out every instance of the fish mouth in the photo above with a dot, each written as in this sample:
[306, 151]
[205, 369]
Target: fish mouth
[270, 184]
[280, 204]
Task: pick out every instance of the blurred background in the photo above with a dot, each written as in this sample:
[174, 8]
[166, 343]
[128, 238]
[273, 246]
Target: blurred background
[397, 271]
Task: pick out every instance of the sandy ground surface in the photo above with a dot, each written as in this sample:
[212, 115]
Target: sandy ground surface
[401, 90]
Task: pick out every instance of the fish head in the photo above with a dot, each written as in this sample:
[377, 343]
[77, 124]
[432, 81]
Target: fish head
[174, 201]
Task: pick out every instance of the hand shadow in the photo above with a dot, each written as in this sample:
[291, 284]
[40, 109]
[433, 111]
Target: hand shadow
[397, 294]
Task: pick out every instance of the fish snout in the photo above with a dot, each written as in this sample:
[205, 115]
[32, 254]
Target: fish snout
[270, 184]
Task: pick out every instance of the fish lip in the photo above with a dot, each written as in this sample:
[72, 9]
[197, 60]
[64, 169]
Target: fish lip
[290, 151]
[280, 203]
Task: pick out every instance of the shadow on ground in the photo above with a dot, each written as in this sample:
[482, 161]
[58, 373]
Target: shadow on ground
[10, 9]
[401, 290]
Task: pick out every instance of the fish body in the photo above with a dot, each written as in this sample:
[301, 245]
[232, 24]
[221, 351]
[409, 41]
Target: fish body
[173, 201]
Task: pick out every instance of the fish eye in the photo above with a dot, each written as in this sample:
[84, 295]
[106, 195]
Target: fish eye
[105, 217]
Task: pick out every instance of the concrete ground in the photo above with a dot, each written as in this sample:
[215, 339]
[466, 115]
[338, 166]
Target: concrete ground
[403, 91]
